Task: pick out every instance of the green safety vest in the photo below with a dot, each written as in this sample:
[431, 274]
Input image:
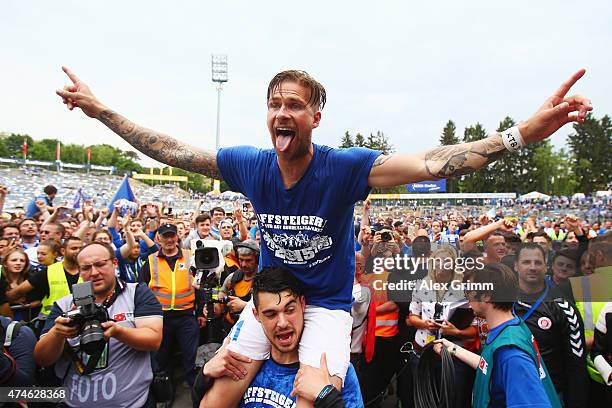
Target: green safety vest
[515, 335]
[58, 286]
[592, 287]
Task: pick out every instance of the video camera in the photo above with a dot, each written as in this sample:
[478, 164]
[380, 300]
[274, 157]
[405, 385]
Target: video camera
[88, 316]
[207, 264]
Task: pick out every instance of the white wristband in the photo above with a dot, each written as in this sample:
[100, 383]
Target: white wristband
[512, 139]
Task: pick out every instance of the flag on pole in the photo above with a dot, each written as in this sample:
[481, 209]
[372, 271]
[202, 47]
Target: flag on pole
[125, 197]
[89, 155]
[58, 152]
[24, 148]
[170, 170]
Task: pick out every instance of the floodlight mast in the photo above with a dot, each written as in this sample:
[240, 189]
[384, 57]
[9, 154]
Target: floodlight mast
[219, 75]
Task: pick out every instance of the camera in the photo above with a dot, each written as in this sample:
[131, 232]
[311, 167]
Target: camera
[438, 310]
[88, 316]
[207, 264]
[386, 236]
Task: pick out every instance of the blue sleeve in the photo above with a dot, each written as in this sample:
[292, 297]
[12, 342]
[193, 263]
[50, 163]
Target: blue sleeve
[148, 251]
[145, 303]
[116, 237]
[237, 166]
[512, 363]
[351, 393]
[50, 322]
[352, 167]
[22, 350]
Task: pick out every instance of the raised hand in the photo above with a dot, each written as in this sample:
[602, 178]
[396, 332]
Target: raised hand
[78, 95]
[556, 111]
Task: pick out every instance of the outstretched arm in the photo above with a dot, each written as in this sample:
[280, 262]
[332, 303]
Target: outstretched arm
[154, 144]
[465, 158]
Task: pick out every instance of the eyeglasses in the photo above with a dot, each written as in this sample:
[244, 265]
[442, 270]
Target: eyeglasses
[98, 265]
[226, 227]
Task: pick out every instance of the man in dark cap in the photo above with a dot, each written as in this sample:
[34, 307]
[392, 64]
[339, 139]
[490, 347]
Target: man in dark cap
[167, 274]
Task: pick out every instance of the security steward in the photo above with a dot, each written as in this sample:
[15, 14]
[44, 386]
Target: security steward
[556, 325]
[167, 274]
[237, 286]
[55, 281]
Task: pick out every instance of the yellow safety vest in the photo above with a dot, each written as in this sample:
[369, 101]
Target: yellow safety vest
[172, 288]
[584, 288]
[58, 286]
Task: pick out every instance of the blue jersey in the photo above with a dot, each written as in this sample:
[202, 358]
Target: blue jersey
[307, 228]
[273, 384]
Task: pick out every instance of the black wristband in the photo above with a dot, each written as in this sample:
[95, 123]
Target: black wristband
[331, 399]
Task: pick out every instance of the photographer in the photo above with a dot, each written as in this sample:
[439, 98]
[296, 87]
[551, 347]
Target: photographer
[119, 372]
[16, 359]
[237, 286]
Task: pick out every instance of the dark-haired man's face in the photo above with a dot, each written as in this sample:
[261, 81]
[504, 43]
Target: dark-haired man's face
[217, 216]
[203, 228]
[530, 266]
[10, 233]
[563, 268]
[291, 120]
[282, 318]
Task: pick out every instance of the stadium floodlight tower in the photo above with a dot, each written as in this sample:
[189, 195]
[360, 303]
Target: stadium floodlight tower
[219, 75]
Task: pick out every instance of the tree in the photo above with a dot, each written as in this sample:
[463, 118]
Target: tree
[448, 134]
[359, 140]
[347, 140]
[479, 181]
[449, 138]
[591, 150]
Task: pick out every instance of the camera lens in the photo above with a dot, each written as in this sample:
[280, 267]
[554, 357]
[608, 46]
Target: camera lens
[92, 337]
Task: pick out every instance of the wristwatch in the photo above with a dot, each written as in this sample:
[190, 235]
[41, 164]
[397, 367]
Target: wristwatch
[326, 390]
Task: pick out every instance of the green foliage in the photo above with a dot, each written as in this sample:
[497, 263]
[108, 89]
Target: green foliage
[479, 180]
[591, 154]
[449, 138]
[376, 141]
[347, 140]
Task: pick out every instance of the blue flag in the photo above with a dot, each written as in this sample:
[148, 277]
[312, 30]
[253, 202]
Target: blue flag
[78, 197]
[125, 197]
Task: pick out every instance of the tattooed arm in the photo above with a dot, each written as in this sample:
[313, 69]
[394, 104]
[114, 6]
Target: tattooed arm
[156, 145]
[161, 147]
[457, 160]
[441, 162]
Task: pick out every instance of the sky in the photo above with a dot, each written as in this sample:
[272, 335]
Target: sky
[401, 67]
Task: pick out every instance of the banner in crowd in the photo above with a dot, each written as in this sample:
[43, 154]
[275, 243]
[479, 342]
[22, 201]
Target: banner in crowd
[437, 186]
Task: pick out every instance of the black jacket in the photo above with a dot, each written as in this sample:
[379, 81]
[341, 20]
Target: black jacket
[559, 331]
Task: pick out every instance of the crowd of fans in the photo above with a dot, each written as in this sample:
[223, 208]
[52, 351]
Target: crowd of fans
[141, 264]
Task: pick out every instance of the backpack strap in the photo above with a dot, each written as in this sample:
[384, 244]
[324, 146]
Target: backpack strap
[12, 330]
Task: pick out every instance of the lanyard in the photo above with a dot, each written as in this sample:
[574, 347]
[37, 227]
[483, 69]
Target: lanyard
[535, 305]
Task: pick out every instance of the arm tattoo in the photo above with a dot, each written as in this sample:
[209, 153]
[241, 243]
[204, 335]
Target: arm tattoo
[161, 147]
[380, 160]
[457, 160]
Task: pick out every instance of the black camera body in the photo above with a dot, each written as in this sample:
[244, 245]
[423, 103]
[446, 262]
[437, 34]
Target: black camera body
[386, 236]
[88, 316]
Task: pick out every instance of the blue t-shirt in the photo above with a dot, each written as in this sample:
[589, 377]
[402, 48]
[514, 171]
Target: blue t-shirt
[273, 384]
[307, 228]
[512, 363]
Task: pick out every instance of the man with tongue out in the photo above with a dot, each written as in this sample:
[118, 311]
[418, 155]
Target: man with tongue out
[304, 195]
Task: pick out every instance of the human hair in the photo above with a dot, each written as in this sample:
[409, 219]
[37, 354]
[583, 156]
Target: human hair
[542, 234]
[218, 209]
[53, 245]
[27, 219]
[567, 253]
[275, 280]
[530, 245]
[421, 246]
[50, 190]
[242, 251]
[201, 218]
[72, 238]
[58, 227]
[109, 249]
[9, 225]
[20, 251]
[104, 232]
[318, 96]
[504, 284]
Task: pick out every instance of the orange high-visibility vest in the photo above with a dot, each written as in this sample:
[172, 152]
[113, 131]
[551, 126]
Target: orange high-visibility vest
[172, 288]
[386, 324]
